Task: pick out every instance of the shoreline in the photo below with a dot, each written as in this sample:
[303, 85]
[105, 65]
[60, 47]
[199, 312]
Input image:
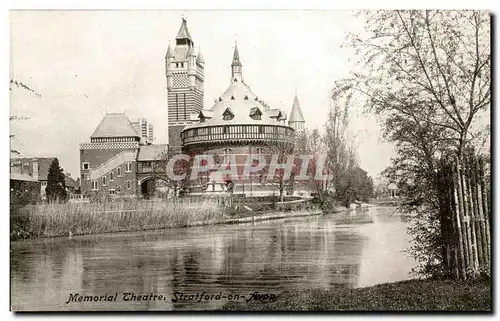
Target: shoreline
[228, 221]
[417, 295]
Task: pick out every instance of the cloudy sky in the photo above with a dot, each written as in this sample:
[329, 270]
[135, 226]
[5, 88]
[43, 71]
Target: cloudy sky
[87, 63]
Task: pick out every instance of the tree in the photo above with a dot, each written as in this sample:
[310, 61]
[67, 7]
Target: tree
[426, 75]
[180, 167]
[281, 179]
[354, 185]
[56, 185]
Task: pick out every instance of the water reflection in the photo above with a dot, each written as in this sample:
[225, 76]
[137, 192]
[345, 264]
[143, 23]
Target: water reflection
[356, 249]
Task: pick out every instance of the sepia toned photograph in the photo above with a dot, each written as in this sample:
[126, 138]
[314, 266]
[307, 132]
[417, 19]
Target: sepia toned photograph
[250, 160]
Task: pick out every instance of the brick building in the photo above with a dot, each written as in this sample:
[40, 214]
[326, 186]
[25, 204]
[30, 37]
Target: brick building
[117, 161]
[120, 157]
[35, 167]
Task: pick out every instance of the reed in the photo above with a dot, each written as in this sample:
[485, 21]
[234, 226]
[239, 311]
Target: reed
[49, 220]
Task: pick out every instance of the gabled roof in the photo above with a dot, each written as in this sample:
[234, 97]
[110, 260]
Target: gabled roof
[152, 152]
[255, 111]
[274, 113]
[183, 31]
[115, 125]
[70, 182]
[296, 113]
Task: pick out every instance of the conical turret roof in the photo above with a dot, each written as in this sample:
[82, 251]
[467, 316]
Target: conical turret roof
[199, 58]
[169, 52]
[296, 113]
[236, 56]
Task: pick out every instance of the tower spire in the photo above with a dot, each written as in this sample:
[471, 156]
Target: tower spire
[236, 67]
[183, 36]
[296, 119]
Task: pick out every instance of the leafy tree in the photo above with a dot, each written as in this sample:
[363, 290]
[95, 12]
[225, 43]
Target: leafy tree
[181, 167]
[353, 185]
[282, 179]
[426, 75]
[56, 185]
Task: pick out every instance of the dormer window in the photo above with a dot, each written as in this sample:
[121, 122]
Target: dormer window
[235, 80]
[232, 97]
[246, 97]
[228, 114]
[220, 98]
[255, 113]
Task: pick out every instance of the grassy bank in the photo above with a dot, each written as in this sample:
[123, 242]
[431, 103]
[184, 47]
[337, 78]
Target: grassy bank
[49, 220]
[414, 295]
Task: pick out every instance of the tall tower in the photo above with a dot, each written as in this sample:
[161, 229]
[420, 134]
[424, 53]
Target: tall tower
[185, 81]
[296, 120]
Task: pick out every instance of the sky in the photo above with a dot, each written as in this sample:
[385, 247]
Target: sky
[89, 63]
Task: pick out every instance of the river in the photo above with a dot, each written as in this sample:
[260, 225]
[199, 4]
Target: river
[357, 249]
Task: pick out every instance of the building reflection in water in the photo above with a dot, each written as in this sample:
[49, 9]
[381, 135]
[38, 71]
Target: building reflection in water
[274, 256]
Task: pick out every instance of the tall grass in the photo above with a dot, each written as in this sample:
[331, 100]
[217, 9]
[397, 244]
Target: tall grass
[48, 220]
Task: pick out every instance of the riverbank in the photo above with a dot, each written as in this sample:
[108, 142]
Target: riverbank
[413, 295]
[54, 220]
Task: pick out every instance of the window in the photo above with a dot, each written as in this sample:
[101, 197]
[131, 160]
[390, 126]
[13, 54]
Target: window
[119, 172]
[176, 65]
[228, 114]
[129, 185]
[85, 166]
[255, 113]
[128, 166]
[44, 183]
[86, 176]
[104, 181]
[26, 164]
[111, 176]
[111, 192]
[94, 185]
[118, 189]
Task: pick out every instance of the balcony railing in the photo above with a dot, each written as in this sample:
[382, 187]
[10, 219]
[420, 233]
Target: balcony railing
[237, 132]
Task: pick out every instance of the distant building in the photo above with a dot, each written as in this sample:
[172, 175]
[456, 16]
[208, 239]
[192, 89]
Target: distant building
[72, 186]
[36, 168]
[119, 158]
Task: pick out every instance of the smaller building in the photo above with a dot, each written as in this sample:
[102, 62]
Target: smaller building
[72, 186]
[119, 160]
[36, 168]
